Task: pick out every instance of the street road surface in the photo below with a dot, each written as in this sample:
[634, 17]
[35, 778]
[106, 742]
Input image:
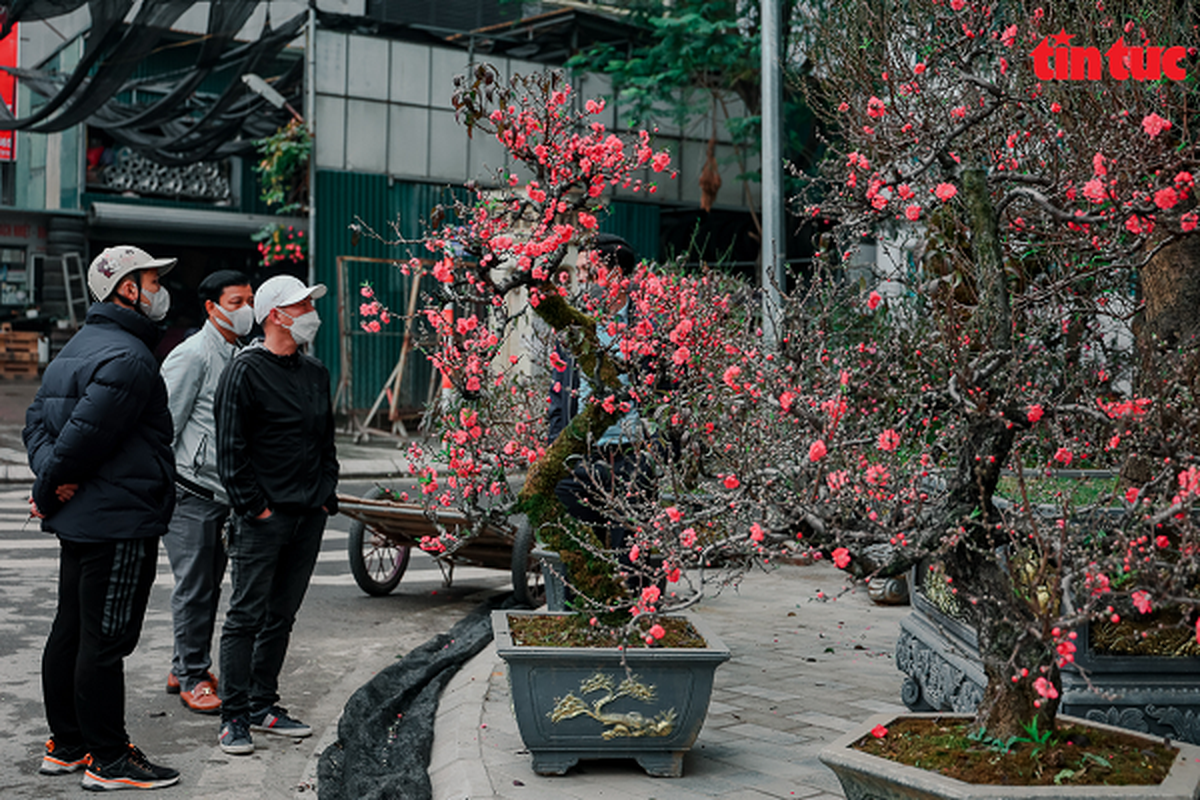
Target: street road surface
[342, 637]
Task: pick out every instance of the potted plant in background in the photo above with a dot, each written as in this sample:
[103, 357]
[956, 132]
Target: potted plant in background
[626, 677]
[283, 178]
[281, 244]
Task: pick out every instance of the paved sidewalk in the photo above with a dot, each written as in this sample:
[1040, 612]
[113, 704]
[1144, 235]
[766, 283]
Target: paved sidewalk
[804, 670]
[810, 659]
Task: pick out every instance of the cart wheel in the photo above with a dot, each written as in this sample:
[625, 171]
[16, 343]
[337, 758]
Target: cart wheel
[528, 587]
[377, 562]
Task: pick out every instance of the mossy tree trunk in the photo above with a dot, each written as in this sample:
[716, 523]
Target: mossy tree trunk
[537, 499]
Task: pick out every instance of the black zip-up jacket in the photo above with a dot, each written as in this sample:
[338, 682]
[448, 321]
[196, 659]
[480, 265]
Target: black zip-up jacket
[100, 420]
[275, 445]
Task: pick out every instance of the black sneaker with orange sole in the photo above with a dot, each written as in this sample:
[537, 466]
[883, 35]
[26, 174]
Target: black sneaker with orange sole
[61, 760]
[132, 770]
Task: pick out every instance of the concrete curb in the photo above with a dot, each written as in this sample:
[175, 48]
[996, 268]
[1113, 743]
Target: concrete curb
[456, 766]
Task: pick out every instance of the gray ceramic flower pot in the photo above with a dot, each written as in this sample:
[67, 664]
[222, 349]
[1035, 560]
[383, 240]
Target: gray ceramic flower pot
[574, 703]
[867, 777]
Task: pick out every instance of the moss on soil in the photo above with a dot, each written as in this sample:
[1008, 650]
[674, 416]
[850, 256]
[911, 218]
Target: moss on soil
[546, 630]
[1164, 633]
[1073, 756]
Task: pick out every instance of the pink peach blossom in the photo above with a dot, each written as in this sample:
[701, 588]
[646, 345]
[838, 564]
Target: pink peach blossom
[1153, 125]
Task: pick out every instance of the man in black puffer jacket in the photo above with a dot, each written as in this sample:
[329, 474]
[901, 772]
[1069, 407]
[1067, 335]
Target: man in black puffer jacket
[99, 440]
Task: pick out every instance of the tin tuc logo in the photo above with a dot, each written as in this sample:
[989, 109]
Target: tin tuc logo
[1060, 61]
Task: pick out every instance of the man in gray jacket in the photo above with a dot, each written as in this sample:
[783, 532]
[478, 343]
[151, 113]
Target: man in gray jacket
[194, 540]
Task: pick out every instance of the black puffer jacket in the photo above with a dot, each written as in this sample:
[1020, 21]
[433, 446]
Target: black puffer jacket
[100, 420]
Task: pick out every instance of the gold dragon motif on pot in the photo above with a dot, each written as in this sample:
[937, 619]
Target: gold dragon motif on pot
[631, 723]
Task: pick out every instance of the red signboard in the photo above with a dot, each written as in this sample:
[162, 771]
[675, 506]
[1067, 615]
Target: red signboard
[9, 46]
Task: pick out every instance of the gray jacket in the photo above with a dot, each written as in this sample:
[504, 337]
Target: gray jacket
[191, 373]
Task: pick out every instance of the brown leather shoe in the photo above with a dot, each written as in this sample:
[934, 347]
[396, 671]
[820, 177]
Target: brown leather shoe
[202, 698]
[173, 686]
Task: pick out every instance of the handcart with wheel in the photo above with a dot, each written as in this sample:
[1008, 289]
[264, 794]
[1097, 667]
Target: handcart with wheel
[385, 531]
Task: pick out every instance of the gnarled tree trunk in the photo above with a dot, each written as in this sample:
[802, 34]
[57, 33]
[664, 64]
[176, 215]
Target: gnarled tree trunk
[1171, 290]
[978, 552]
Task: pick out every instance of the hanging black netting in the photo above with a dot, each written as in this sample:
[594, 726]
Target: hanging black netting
[386, 731]
[181, 126]
[33, 10]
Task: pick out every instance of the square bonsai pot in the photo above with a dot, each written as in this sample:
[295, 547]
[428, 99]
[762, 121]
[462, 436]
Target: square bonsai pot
[575, 703]
[868, 777]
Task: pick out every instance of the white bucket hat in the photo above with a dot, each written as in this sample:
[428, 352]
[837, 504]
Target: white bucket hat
[108, 268]
[282, 291]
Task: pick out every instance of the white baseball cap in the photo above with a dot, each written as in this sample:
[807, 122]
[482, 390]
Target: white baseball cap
[108, 268]
[282, 291]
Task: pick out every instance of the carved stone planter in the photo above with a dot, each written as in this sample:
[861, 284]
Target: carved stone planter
[1151, 694]
[577, 703]
[940, 657]
[867, 777]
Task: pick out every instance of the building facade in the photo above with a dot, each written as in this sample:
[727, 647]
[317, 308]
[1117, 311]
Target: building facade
[377, 81]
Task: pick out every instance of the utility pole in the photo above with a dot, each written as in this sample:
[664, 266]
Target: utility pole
[774, 245]
[310, 106]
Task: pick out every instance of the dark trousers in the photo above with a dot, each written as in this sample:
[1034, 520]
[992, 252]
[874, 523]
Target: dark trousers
[197, 553]
[271, 562]
[102, 593]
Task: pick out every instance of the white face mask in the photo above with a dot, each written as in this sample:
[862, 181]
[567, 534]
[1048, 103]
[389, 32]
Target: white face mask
[160, 303]
[304, 327]
[240, 320]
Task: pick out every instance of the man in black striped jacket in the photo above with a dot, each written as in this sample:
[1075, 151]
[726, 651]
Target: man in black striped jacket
[277, 460]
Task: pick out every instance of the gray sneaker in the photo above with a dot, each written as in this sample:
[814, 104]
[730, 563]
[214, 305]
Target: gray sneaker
[276, 720]
[235, 738]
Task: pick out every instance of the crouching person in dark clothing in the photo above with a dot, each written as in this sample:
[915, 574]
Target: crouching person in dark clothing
[277, 460]
[99, 440]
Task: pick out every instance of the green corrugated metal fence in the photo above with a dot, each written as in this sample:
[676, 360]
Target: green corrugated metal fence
[378, 201]
[636, 223]
[341, 196]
